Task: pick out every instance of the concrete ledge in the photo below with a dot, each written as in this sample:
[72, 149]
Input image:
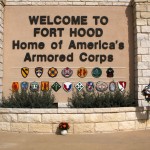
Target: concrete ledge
[82, 121]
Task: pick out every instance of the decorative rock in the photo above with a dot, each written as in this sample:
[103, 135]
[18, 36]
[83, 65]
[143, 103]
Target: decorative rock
[19, 127]
[127, 125]
[29, 118]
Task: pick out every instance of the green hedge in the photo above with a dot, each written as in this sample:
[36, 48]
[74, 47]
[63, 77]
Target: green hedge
[102, 100]
[25, 99]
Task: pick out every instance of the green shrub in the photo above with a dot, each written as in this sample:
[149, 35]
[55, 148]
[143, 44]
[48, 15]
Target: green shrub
[101, 100]
[25, 99]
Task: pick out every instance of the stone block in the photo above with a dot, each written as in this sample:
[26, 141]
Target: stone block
[51, 118]
[127, 125]
[29, 118]
[84, 128]
[143, 65]
[65, 3]
[67, 110]
[145, 15]
[148, 124]
[85, 110]
[51, 3]
[146, 73]
[78, 3]
[142, 50]
[20, 110]
[38, 127]
[75, 118]
[141, 22]
[106, 127]
[43, 111]
[142, 36]
[8, 117]
[140, 124]
[131, 116]
[92, 3]
[141, 7]
[145, 29]
[19, 127]
[4, 126]
[143, 80]
[146, 58]
[93, 118]
[113, 117]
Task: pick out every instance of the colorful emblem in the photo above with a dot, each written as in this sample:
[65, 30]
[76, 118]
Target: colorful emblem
[101, 86]
[56, 86]
[121, 85]
[82, 72]
[79, 86]
[34, 86]
[52, 72]
[44, 86]
[15, 86]
[24, 86]
[67, 86]
[110, 72]
[38, 71]
[90, 86]
[67, 72]
[146, 92]
[112, 86]
[96, 72]
[24, 71]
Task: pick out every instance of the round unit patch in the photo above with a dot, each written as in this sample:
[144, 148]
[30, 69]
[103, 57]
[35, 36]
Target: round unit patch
[96, 72]
[101, 86]
[90, 86]
[67, 72]
[52, 72]
[82, 72]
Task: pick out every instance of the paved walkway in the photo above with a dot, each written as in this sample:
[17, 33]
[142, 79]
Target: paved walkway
[139, 140]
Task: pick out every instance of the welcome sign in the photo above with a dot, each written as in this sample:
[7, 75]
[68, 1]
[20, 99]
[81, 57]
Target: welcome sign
[67, 48]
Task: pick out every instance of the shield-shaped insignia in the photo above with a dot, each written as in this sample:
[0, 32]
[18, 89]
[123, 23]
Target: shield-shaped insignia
[52, 72]
[112, 86]
[24, 71]
[44, 86]
[121, 85]
[34, 86]
[24, 86]
[38, 71]
[79, 86]
[101, 86]
[67, 72]
[90, 86]
[15, 86]
[67, 86]
[110, 72]
[82, 72]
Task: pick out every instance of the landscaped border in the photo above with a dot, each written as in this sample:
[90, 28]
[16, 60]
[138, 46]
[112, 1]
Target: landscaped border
[82, 121]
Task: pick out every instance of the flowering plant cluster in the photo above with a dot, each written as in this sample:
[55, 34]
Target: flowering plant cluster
[64, 126]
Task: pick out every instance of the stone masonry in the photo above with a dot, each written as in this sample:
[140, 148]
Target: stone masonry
[141, 10]
[81, 121]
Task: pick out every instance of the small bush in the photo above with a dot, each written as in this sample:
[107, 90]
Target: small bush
[101, 100]
[25, 99]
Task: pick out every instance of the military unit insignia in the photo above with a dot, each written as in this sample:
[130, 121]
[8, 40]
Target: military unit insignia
[67, 72]
[38, 71]
[146, 92]
[56, 86]
[24, 86]
[90, 86]
[34, 86]
[44, 86]
[15, 86]
[110, 72]
[101, 86]
[96, 72]
[52, 72]
[67, 86]
[121, 85]
[24, 71]
[82, 72]
[79, 86]
[112, 86]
